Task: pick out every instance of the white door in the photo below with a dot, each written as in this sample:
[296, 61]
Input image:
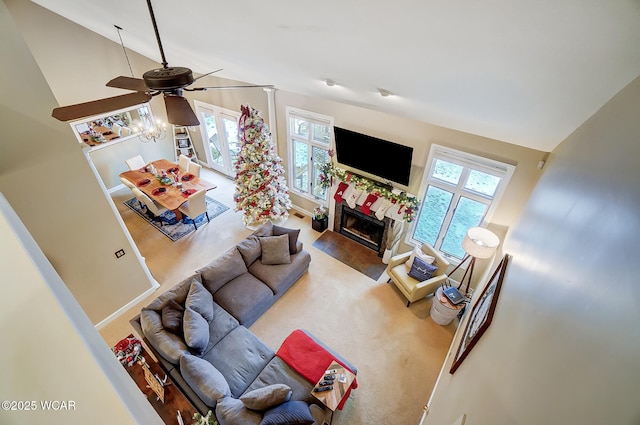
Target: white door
[219, 128]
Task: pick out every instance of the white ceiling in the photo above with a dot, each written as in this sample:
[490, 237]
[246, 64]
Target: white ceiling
[521, 71]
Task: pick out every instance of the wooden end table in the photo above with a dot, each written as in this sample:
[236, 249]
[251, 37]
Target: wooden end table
[332, 398]
[174, 399]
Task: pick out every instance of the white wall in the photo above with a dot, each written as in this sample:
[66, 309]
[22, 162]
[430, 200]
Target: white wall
[51, 352]
[564, 344]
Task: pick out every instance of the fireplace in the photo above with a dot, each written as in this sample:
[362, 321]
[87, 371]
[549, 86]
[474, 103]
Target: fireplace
[364, 229]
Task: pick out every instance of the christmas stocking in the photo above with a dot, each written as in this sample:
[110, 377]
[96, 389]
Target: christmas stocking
[342, 186]
[383, 209]
[366, 207]
[351, 200]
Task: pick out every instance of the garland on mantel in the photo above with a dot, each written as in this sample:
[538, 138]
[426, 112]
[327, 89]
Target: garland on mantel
[406, 204]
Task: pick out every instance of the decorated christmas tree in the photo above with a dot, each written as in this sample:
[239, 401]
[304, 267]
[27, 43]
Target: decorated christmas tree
[261, 190]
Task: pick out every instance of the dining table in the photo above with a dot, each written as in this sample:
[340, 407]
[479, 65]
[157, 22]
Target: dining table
[169, 195]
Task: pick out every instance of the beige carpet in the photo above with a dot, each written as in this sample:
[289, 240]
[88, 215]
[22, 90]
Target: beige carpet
[398, 351]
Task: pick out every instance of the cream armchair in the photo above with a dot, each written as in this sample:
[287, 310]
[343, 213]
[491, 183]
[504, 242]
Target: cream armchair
[412, 289]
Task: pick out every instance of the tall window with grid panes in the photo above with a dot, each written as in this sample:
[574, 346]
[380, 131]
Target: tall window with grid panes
[309, 136]
[459, 190]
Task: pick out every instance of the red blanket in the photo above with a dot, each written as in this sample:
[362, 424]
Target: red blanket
[309, 359]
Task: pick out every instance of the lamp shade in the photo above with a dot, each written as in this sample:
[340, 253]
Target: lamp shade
[480, 242]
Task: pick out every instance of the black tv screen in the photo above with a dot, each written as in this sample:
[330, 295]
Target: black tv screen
[384, 159]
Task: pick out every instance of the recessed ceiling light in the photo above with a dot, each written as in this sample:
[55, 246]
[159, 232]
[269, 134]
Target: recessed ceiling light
[385, 93]
[329, 82]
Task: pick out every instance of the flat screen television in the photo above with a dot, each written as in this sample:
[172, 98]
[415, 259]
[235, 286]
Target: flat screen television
[384, 159]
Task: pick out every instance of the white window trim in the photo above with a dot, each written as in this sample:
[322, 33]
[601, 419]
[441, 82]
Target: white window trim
[312, 117]
[466, 159]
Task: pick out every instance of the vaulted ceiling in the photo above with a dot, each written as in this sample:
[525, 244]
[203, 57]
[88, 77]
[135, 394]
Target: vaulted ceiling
[521, 71]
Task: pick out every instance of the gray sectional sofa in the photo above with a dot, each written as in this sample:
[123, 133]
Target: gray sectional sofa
[198, 331]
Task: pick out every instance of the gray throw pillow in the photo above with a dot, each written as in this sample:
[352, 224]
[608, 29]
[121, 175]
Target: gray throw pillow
[204, 379]
[289, 413]
[265, 229]
[266, 397]
[275, 250]
[250, 249]
[293, 237]
[221, 270]
[231, 411]
[196, 331]
[200, 300]
[172, 316]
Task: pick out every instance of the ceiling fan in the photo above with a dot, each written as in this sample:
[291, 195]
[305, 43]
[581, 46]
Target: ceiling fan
[170, 81]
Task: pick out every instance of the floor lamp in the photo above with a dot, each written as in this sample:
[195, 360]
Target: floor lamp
[477, 243]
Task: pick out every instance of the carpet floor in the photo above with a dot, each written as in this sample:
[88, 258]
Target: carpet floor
[399, 351]
[167, 223]
[351, 253]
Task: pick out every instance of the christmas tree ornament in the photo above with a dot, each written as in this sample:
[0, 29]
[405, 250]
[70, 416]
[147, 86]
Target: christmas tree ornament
[261, 190]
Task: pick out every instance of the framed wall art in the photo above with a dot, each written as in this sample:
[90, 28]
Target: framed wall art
[481, 314]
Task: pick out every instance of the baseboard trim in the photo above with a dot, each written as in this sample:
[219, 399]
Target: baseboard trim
[127, 306]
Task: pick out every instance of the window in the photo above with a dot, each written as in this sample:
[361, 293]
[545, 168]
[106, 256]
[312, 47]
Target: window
[459, 191]
[309, 137]
[219, 127]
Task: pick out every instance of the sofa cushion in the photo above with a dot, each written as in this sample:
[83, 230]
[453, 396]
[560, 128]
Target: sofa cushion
[231, 411]
[172, 315]
[266, 397]
[200, 300]
[169, 345]
[196, 331]
[178, 293]
[204, 379]
[289, 413]
[420, 270]
[245, 297]
[221, 325]
[275, 249]
[281, 277]
[221, 270]
[250, 249]
[265, 229]
[293, 237]
[278, 372]
[240, 356]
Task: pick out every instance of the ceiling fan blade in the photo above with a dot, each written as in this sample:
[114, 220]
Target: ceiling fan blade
[97, 107]
[128, 83]
[179, 111]
[208, 73]
[270, 86]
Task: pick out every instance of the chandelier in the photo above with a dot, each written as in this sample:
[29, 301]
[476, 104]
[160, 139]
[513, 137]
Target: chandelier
[150, 131]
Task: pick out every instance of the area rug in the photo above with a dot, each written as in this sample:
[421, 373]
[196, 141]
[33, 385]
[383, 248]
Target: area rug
[172, 228]
[351, 253]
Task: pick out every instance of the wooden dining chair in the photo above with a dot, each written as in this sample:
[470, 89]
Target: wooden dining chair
[154, 210]
[195, 206]
[183, 163]
[135, 163]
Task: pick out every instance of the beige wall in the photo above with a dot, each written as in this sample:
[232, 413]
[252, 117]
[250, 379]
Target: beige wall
[51, 352]
[48, 182]
[421, 136]
[563, 346]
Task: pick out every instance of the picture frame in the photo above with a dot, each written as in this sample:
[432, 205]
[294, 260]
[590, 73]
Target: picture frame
[481, 314]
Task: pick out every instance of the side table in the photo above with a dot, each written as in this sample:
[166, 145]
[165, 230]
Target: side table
[174, 400]
[442, 311]
[332, 398]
